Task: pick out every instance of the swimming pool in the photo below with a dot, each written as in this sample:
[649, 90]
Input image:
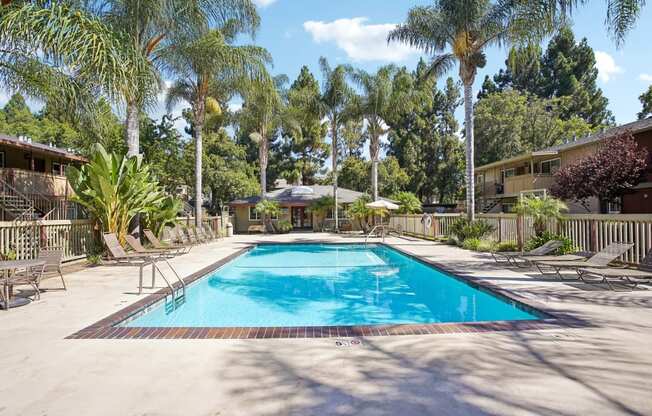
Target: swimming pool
[304, 285]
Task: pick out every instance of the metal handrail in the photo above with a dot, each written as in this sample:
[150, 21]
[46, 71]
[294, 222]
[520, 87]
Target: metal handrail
[170, 286]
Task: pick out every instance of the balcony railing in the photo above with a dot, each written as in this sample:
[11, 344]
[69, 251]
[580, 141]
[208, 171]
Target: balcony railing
[514, 185]
[30, 182]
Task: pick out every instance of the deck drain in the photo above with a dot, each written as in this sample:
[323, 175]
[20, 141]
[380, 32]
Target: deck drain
[355, 342]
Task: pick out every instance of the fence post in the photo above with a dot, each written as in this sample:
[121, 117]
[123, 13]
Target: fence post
[593, 238]
[500, 229]
[519, 231]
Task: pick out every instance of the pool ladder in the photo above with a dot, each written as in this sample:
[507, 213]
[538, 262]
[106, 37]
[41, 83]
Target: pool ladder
[178, 294]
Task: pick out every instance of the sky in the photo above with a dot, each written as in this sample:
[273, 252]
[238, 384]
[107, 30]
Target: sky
[298, 32]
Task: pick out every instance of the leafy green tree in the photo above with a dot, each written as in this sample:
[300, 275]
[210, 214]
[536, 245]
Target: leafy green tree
[511, 122]
[408, 202]
[375, 106]
[566, 71]
[353, 138]
[467, 28]
[162, 148]
[354, 174]
[423, 135]
[203, 63]
[646, 102]
[337, 105]
[114, 189]
[307, 147]
[391, 176]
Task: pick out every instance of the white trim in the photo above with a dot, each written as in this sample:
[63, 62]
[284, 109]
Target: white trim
[253, 209]
[547, 161]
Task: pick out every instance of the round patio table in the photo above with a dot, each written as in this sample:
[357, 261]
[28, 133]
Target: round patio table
[7, 267]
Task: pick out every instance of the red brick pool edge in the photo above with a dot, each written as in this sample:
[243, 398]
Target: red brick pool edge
[107, 328]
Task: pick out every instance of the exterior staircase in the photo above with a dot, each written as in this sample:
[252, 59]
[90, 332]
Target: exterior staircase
[16, 206]
[489, 205]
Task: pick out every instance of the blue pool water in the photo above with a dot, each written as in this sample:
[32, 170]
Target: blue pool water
[320, 284]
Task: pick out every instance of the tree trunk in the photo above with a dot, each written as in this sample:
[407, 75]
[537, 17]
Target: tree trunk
[374, 149]
[468, 124]
[334, 157]
[263, 154]
[133, 129]
[198, 173]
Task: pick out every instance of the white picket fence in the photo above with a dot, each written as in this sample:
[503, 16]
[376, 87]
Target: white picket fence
[589, 232]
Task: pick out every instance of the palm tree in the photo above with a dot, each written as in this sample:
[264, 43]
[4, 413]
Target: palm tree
[263, 113]
[467, 28]
[54, 51]
[337, 103]
[375, 104]
[152, 26]
[541, 210]
[203, 63]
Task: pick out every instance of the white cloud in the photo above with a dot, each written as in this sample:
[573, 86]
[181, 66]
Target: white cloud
[606, 66]
[645, 77]
[264, 3]
[360, 41]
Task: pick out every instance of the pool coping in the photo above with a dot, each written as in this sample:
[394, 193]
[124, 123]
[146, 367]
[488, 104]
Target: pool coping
[106, 328]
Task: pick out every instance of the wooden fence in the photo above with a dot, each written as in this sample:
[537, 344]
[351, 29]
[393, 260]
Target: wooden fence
[25, 238]
[588, 232]
[217, 223]
[76, 237]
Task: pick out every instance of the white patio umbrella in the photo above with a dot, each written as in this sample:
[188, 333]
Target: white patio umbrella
[382, 204]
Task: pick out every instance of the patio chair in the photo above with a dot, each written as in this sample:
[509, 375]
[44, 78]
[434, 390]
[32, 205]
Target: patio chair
[630, 277]
[599, 260]
[205, 234]
[192, 236]
[156, 243]
[210, 233]
[121, 257]
[53, 257]
[135, 245]
[510, 257]
[30, 276]
[183, 237]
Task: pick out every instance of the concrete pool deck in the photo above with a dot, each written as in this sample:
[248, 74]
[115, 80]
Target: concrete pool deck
[603, 368]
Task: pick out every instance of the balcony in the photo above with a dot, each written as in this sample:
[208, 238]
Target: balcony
[36, 183]
[514, 185]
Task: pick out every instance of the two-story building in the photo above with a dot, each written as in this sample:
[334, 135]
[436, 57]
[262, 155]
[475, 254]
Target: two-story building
[32, 180]
[500, 184]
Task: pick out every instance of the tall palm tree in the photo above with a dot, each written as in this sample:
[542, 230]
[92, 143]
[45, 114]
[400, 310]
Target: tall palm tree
[375, 105]
[55, 51]
[202, 64]
[467, 28]
[151, 26]
[263, 113]
[337, 104]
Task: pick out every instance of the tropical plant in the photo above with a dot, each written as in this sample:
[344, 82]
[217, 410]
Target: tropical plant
[114, 189]
[375, 106]
[337, 105]
[463, 229]
[322, 205]
[268, 209]
[468, 28]
[359, 211]
[206, 64]
[541, 210]
[617, 166]
[408, 203]
[539, 240]
[283, 227]
[165, 215]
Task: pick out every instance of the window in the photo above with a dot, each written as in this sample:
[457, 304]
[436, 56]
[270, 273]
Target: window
[253, 214]
[507, 173]
[57, 168]
[549, 167]
[614, 206]
[341, 213]
[39, 165]
[2, 159]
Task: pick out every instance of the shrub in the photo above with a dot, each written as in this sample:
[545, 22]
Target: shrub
[471, 244]
[408, 203]
[538, 241]
[486, 246]
[463, 229]
[507, 246]
[283, 227]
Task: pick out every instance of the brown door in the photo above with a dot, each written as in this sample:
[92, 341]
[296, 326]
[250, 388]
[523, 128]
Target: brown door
[297, 217]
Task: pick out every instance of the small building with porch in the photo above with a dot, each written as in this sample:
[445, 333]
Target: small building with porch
[33, 184]
[295, 204]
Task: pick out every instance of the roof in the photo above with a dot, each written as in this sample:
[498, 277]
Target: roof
[39, 147]
[634, 127]
[303, 195]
